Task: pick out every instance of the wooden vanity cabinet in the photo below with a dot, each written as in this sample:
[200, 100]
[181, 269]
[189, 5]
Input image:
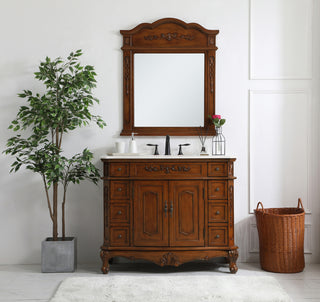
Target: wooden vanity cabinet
[168, 211]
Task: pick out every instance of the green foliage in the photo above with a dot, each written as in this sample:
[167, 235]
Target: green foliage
[62, 108]
[79, 167]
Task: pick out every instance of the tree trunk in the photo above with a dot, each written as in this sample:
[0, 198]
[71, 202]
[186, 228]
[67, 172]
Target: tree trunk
[55, 197]
[55, 212]
[63, 213]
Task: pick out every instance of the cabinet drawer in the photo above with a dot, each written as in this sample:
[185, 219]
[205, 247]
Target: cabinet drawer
[217, 189]
[119, 189]
[119, 236]
[184, 170]
[218, 169]
[217, 212]
[119, 170]
[120, 213]
[218, 236]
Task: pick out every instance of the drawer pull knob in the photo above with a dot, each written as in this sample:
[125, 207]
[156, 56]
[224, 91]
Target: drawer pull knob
[217, 236]
[218, 212]
[119, 212]
[120, 236]
[217, 169]
[119, 189]
[119, 169]
[217, 189]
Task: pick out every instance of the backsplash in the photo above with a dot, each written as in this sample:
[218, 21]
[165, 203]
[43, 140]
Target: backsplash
[193, 149]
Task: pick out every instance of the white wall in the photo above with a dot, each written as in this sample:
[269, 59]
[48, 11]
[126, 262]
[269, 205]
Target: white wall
[268, 54]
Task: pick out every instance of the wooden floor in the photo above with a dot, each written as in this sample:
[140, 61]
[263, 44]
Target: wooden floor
[27, 283]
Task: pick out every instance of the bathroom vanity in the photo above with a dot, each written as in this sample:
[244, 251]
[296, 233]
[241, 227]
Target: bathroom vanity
[168, 209]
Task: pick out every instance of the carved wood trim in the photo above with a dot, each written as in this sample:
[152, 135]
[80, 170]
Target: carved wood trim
[171, 258]
[211, 73]
[211, 40]
[167, 169]
[104, 255]
[180, 23]
[126, 40]
[230, 168]
[169, 36]
[231, 210]
[232, 258]
[106, 212]
[127, 73]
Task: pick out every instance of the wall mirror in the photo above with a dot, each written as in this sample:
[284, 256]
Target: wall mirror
[168, 78]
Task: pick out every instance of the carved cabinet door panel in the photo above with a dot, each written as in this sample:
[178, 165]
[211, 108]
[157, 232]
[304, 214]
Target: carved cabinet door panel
[150, 207]
[186, 213]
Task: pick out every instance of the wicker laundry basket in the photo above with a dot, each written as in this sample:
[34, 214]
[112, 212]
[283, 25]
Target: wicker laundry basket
[281, 238]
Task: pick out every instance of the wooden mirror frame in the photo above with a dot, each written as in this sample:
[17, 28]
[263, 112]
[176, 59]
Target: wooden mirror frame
[167, 35]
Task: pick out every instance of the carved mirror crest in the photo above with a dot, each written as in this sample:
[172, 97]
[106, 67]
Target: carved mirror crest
[168, 78]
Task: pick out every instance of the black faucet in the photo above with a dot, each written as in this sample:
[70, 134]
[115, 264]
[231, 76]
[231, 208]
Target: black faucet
[167, 148]
[156, 152]
[180, 148]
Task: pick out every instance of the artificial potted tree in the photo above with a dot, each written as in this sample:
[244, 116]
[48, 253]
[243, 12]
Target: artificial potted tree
[63, 107]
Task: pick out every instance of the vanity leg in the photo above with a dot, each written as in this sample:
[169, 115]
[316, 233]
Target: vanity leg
[104, 255]
[232, 259]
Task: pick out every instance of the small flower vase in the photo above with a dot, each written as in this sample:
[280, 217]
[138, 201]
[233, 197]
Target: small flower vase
[218, 143]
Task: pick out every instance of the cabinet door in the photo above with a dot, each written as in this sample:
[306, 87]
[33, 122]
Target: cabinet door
[150, 219]
[186, 213]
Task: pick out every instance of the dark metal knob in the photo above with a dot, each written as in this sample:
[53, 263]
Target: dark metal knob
[119, 212]
[171, 208]
[218, 212]
[120, 236]
[119, 169]
[217, 189]
[217, 236]
[217, 169]
[119, 189]
[165, 208]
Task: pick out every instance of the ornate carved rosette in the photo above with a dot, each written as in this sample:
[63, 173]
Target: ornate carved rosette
[169, 37]
[169, 259]
[167, 169]
[230, 168]
[211, 40]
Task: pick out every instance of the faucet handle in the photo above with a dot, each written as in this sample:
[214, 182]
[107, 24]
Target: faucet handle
[180, 148]
[156, 152]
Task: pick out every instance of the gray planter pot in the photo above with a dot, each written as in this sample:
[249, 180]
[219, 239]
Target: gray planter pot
[59, 256]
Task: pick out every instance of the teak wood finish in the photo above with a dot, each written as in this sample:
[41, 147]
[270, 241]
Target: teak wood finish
[169, 211]
[167, 35]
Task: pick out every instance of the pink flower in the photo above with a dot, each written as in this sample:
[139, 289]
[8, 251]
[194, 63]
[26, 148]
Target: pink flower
[216, 116]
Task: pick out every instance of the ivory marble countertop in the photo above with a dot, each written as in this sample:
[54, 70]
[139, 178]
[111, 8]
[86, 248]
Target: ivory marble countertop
[148, 156]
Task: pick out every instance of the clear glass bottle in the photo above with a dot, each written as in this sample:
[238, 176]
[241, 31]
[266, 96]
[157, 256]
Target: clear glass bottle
[218, 143]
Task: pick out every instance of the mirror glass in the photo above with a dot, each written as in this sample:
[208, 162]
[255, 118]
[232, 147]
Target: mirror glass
[169, 89]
